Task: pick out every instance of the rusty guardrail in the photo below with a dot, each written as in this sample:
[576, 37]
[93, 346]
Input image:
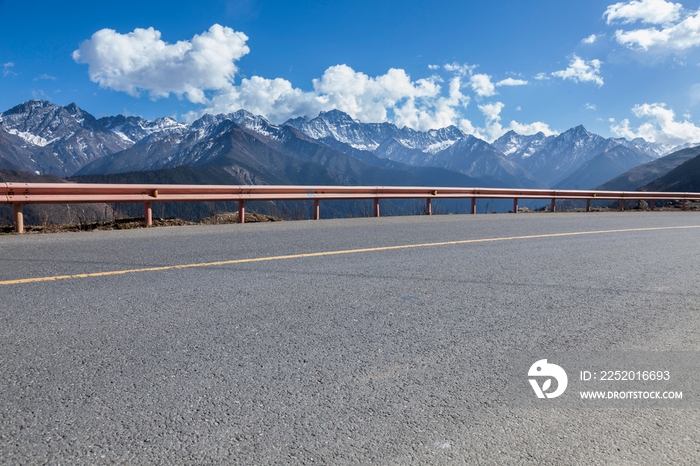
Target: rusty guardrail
[19, 194]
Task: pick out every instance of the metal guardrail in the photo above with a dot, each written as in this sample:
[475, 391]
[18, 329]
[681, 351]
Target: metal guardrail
[19, 194]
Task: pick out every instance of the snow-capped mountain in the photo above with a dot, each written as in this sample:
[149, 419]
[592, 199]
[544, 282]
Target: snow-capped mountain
[42, 137]
[647, 148]
[133, 129]
[560, 156]
[475, 157]
[369, 136]
[60, 139]
[445, 148]
[519, 146]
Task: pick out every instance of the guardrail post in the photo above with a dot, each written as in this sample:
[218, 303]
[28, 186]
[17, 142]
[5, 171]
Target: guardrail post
[588, 205]
[622, 205]
[554, 205]
[473, 205]
[428, 206]
[651, 204]
[317, 210]
[148, 213]
[515, 205]
[683, 205]
[19, 218]
[376, 207]
[241, 211]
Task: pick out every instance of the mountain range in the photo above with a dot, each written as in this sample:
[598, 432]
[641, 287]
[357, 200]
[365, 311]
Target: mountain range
[43, 138]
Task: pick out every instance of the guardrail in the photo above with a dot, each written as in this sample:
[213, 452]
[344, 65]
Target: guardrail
[19, 194]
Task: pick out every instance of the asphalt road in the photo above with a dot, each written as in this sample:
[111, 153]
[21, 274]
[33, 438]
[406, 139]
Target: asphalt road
[386, 356]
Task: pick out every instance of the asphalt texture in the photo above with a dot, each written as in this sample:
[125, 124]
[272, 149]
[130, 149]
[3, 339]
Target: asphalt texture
[376, 357]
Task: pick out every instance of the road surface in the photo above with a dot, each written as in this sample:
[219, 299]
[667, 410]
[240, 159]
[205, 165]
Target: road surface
[339, 341]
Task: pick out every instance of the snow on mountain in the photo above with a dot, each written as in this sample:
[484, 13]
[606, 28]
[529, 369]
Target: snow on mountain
[369, 136]
[62, 140]
[30, 138]
[477, 158]
[341, 127]
[133, 129]
[520, 146]
[256, 124]
[672, 149]
[642, 147]
[561, 155]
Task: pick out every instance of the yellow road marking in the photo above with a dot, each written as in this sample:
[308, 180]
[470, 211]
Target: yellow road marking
[330, 253]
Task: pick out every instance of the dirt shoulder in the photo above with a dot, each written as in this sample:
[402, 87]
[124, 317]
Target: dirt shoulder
[131, 223]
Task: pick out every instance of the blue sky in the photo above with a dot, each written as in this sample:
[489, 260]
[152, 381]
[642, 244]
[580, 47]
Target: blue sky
[619, 68]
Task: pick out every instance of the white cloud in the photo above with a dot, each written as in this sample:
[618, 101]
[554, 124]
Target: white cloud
[493, 128]
[532, 128]
[590, 106]
[482, 85]
[511, 82]
[590, 39]
[679, 36]
[7, 69]
[141, 60]
[542, 77]
[660, 126]
[647, 11]
[492, 111]
[672, 28]
[204, 68]
[580, 70]
[419, 104]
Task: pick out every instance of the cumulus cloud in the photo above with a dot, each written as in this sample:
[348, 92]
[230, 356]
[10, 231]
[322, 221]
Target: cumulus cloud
[394, 96]
[647, 11]
[671, 27]
[542, 77]
[532, 128]
[141, 60]
[494, 129]
[680, 36]
[580, 70]
[482, 85]
[660, 126]
[590, 39]
[204, 70]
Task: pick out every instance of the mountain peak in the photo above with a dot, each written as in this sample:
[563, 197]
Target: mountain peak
[72, 108]
[79, 114]
[336, 116]
[578, 129]
[28, 106]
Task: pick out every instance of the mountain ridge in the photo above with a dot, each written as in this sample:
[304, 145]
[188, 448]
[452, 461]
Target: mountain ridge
[42, 137]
